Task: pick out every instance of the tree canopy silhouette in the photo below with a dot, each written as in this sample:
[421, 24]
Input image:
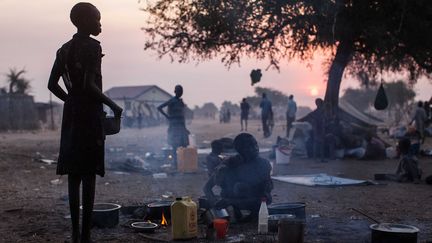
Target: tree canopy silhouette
[358, 35]
[18, 84]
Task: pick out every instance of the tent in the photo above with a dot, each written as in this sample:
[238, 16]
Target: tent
[351, 115]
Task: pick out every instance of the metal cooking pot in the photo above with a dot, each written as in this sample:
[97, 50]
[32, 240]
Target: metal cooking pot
[273, 220]
[155, 210]
[296, 208]
[105, 215]
[393, 233]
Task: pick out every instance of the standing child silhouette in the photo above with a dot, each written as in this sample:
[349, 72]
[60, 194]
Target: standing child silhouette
[81, 155]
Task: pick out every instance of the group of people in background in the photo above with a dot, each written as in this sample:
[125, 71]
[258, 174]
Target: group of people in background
[267, 114]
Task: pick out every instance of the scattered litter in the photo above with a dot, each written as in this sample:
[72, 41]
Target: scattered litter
[67, 216]
[315, 216]
[40, 158]
[56, 182]
[42, 167]
[428, 152]
[36, 189]
[208, 150]
[168, 195]
[149, 155]
[160, 175]
[236, 238]
[27, 171]
[48, 161]
[320, 180]
[166, 166]
[355, 218]
[121, 173]
[106, 183]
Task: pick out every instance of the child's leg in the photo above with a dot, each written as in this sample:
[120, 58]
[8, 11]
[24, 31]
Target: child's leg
[88, 194]
[74, 182]
[246, 124]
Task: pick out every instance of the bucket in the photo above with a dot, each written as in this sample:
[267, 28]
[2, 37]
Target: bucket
[283, 155]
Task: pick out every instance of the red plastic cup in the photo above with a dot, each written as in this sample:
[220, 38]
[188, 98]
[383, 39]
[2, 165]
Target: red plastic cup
[221, 227]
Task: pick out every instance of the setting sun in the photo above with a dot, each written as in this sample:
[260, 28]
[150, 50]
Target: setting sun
[314, 91]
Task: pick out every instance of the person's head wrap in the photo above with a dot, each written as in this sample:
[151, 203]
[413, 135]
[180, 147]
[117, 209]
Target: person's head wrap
[246, 145]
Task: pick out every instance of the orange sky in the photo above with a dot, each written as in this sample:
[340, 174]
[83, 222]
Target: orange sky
[34, 30]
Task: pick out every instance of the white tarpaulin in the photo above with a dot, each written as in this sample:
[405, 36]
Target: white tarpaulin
[320, 180]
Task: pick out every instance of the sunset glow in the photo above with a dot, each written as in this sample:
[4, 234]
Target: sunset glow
[314, 91]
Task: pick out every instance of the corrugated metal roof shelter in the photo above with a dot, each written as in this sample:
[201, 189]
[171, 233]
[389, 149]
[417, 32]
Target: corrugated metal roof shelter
[139, 103]
[133, 92]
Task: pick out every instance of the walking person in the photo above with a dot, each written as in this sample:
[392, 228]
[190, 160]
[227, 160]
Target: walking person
[178, 135]
[266, 112]
[81, 155]
[291, 113]
[244, 114]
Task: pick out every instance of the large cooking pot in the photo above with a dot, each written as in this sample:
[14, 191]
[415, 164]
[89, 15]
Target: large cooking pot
[296, 208]
[105, 215]
[155, 210]
[393, 233]
[273, 221]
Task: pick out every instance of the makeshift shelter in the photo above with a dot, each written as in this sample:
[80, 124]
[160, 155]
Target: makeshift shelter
[360, 122]
[18, 112]
[139, 102]
[354, 117]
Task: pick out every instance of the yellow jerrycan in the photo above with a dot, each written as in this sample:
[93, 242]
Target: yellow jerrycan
[187, 159]
[184, 218]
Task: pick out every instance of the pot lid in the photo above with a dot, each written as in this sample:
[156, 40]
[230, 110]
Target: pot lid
[394, 228]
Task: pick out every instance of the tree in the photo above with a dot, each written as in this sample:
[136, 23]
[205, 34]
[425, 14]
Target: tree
[233, 108]
[399, 94]
[357, 35]
[17, 83]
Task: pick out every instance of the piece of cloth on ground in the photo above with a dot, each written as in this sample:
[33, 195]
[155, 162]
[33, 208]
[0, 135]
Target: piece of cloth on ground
[321, 179]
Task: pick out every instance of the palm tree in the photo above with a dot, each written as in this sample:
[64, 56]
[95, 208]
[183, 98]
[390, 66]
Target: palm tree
[17, 83]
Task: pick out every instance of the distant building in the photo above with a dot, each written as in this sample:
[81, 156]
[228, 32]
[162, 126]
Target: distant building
[139, 104]
[18, 112]
[49, 114]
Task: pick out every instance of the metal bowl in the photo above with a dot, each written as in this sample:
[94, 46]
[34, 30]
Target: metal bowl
[145, 227]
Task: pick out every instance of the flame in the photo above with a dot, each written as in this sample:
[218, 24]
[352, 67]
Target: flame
[163, 221]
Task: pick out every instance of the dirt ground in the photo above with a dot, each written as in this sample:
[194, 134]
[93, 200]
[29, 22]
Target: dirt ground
[35, 209]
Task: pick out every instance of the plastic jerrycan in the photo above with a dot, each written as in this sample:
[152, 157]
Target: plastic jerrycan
[187, 159]
[184, 218]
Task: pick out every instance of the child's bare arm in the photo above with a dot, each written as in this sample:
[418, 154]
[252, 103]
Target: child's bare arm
[53, 84]
[97, 93]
